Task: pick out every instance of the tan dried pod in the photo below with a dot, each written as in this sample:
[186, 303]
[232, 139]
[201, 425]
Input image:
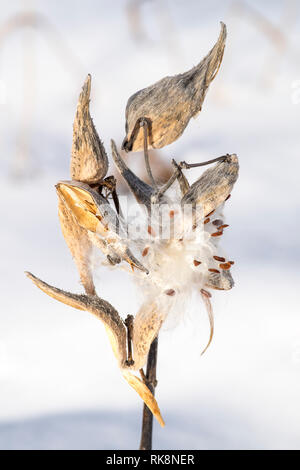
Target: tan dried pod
[115, 329]
[220, 281]
[78, 243]
[145, 394]
[214, 186]
[89, 162]
[93, 213]
[146, 326]
[168, 105]
[98, 307]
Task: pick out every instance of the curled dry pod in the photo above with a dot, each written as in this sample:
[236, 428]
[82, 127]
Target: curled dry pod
[169, 104]
[89, 162]
[100, 308]
[214, 186]
[115, 329]
[93, 213]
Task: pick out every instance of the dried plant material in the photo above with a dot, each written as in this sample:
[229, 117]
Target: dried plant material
[206, 299]
[182, 180]
[115, 329]
[146, 326]
[93, 213]
[102, 309]
[141, 191]
[78, 243]
[89, 162]
[220, 281]
[145, 394]
[168, 105]
[177, 237]
[214, 186]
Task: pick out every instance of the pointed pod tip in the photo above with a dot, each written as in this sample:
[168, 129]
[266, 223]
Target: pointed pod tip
[223, 27]
[86, 89]
[30, 276]
[145, 394]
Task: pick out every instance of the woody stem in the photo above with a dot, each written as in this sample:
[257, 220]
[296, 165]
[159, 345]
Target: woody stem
[147, 425]
[187, 166]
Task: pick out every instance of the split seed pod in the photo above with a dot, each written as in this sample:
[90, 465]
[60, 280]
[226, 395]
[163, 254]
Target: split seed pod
[214, 186]
[115, 329]
[209, 192]
[93, 214]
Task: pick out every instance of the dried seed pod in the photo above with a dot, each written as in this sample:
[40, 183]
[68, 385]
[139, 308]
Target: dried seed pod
[89, 162]
[93, 213]
[100, 308]
[141, 191]
[115, 329]
[146, 326]
[169, 104]
[220, 281]
[78, 243]
[213, 187]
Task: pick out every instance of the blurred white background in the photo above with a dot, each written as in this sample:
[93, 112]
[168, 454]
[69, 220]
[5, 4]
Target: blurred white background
[59, 383]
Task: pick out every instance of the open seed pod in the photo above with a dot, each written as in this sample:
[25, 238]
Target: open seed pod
[116, 332]
[94, 214]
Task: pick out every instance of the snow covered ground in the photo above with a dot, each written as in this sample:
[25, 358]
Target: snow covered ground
[59, 383]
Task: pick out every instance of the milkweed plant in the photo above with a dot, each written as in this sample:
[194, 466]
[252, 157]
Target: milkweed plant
[170, 243]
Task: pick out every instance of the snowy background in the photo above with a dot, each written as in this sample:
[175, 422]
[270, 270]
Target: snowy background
[60, 387]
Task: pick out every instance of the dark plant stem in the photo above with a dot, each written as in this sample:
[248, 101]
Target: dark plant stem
[151, 382]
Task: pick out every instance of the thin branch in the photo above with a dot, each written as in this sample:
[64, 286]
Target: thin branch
[147, 425]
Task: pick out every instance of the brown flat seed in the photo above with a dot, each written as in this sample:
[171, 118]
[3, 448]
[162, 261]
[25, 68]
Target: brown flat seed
[231, 262]
[211, 213]
[219, 258]
[223, 226]
[214, 271]
[225, 266]
[151, 231]
[196, 263]
[146, 251]
[206, 221]
[170, 292]
[216, 234]
[172, 213]
[228, 197]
